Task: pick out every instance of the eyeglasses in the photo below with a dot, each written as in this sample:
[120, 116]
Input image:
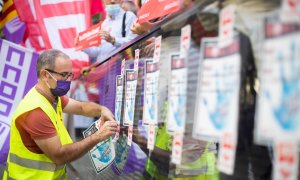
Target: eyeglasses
[65, 75]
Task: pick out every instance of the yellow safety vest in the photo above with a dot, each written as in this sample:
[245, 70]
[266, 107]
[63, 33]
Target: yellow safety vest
[205, 165]
[24, 164]
[206, 162]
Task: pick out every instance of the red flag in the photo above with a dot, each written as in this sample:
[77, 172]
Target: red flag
[55, 24]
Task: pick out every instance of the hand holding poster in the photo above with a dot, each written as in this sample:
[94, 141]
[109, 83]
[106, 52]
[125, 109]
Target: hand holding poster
[103, 154]
[89, 37]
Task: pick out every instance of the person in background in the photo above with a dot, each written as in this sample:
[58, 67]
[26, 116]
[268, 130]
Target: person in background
[40, 145]
[115, 30]
[129, 5]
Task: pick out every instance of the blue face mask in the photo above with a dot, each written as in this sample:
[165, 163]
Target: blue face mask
[113, 9]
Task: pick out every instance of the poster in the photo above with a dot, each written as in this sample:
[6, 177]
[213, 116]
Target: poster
[177, 95]
[150, 93]
[176, 116]
[217, 103]
[130, 91]
[103, 154]
[119, 97]
[278, 106]
[122, 150]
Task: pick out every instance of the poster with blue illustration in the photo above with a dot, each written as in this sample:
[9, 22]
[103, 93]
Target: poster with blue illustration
[177, 95]
[150, 93]
[177, 91]
[119, 98]
[217, 103]
[278, 106]
[122, 150]
[103, 154]
[130, 91]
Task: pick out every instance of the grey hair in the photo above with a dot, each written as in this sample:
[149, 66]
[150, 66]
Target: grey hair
[47, 59]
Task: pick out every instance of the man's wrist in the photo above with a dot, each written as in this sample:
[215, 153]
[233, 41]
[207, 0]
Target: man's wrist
[97, 137]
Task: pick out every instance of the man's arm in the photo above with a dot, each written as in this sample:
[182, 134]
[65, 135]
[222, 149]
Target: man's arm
[92, 51]
[61, 154]
[90, 109]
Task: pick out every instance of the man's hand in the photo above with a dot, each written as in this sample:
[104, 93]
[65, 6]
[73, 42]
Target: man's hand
[141, 28]
[107, 129]
[105, 35]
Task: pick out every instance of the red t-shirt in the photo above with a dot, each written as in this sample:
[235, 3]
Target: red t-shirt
[36, 124]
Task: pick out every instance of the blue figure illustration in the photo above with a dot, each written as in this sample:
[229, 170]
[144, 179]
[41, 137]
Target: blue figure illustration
[287, 112]
[152, 103]
[219, 114]
[180, 108]
[104, 152]
[130, 109]
[120, 149]
[118, 111]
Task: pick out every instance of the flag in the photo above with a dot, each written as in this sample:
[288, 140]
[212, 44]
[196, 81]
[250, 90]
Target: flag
[17, 77]
[8, 12]
[54, 25]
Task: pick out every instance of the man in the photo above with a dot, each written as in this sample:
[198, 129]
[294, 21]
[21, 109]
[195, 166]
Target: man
[129, 5]
[115, 30]
[40, 145]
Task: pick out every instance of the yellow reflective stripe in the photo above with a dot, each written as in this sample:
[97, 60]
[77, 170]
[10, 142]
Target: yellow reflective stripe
[9, 178]
[33, 164]
[6, 174]
[191, 170]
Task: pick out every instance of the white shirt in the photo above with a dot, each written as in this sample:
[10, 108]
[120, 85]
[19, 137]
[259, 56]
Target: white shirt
[114, 27]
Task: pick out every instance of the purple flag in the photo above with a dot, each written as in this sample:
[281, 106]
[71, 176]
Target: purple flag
[14, 30]
[17, 76]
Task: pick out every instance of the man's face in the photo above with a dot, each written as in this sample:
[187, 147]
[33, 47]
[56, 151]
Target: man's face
[63, 69]
[109, 2]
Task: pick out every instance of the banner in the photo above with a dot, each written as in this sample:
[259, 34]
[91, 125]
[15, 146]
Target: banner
[17, 76]
[89, 37]
[157, 8]
[61, 20]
